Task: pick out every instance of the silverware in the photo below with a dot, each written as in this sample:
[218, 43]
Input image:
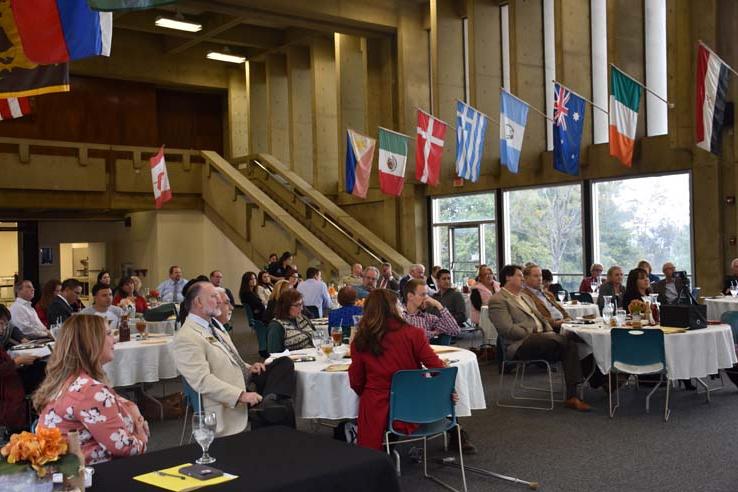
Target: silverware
[165, 474]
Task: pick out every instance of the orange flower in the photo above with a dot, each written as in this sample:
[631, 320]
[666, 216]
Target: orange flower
[45, 446]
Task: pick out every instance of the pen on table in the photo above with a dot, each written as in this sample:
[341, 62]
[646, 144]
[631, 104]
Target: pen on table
[165, 474]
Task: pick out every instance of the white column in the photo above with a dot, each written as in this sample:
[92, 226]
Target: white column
[656, 110]
[505, 44]
[549, 64]
[598, 16]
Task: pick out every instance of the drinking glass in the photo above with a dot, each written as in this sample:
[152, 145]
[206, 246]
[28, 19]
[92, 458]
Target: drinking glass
[734, 288]
[620, 316]
[561, 295]
[327, 349]
[141, 327]
[317, 338]
[203, 430]
[594, 285]
[337, 335]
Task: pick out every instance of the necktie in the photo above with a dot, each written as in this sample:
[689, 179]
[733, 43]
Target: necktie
[176, 292]
[218, 335]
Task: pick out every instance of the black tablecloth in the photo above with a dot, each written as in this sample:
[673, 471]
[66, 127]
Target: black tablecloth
[272, 458]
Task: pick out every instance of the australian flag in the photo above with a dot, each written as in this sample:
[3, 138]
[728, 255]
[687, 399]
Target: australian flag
[567, 129]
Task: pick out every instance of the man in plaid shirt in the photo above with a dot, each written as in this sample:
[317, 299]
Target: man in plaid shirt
[416, 293]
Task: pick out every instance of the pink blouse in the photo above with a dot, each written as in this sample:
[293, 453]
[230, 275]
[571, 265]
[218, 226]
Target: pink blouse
[99, 415]
[485, 294]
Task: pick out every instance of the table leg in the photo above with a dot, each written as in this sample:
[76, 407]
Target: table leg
[707, 389]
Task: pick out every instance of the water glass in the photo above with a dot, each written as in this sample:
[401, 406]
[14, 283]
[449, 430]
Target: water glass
[203, 431]
[620, 316]
[561, 295]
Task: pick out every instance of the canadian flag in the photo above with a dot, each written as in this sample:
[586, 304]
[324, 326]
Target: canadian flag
[160, 179]
[429, 150]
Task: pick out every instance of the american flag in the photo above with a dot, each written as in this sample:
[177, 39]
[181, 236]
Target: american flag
[14, 108]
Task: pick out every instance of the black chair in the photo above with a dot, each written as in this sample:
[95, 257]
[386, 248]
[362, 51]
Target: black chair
[581, 297]
[311, 312]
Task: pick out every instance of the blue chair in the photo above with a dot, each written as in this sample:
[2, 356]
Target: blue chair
[731, 318]
[192, 401]
[423, 397]
[638, 352]
[581, 297]
[260, 328]
[519, 380]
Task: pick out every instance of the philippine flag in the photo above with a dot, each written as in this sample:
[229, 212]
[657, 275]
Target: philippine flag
[711, 90]
[57, 31]
[359, 155]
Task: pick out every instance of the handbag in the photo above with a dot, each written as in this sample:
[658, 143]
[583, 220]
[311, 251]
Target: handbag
[691, 316]
[161, 313]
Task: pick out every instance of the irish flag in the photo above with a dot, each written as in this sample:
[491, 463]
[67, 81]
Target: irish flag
[625, 97]
[392, 160]
[711, 89]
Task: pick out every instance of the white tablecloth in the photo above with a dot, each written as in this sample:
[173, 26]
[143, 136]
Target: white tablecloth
[579, 309]
[694, 354]
[165, 327]
[327, 395]
[716, 307]
[145, 361]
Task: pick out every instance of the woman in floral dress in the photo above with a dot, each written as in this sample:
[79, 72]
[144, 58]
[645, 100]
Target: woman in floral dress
[75, 395]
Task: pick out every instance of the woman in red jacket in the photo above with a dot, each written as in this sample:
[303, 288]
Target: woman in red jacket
[383, 345]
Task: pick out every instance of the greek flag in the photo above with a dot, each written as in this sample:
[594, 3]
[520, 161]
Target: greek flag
[471, 127]
[513, 116]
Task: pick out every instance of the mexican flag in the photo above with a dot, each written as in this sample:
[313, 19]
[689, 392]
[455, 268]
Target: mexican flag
[392, 160]
[625, 97]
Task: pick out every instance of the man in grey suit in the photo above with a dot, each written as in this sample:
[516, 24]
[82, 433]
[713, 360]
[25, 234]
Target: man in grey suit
[530, 336]
[668, 288]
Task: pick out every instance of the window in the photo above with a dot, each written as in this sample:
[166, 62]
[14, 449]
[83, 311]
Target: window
[464, 234]
[598, 15]
[549, 65]
[544, 225]
[656, 109]
[505, 44]
[643, 218]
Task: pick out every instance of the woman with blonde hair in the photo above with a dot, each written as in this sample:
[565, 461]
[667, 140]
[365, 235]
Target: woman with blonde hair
[76, 396]
[279, 287]
[482, 291]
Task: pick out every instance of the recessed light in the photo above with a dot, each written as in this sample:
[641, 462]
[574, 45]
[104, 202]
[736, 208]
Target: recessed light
[214, 55]
[178, 24]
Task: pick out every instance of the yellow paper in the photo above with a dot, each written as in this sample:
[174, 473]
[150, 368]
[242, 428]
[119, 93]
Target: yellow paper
[179, 485]
[671, 330]
[442, 349]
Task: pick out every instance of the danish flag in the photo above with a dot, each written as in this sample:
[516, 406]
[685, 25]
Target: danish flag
[429, 149]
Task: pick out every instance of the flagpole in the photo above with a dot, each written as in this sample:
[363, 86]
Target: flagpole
[524, 102]
[475, 109]
[721, 60]
[578, 94]
[396, 133]
[671, 105]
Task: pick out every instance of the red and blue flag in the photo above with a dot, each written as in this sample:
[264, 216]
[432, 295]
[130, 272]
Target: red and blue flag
[57, 31]
[567, 129]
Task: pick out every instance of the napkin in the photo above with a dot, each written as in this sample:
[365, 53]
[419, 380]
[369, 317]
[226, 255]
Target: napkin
[337, 368]
[178, 485]
[442, 349]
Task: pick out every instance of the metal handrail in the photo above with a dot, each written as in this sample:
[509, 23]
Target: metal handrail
[306, 201]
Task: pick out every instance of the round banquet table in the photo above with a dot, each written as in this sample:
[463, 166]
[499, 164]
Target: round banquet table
[719, 305]
[693, 354]
[144, 361]
[578, 310]
[327, 395]
[164, 327]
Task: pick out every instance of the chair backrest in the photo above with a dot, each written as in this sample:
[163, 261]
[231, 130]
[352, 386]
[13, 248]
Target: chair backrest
[190, 395]
[311, 312]
[442, 339]
[731, 318]
[581, 296]
[422, 396]
[262, 331]
[638, 348]
[249, 315]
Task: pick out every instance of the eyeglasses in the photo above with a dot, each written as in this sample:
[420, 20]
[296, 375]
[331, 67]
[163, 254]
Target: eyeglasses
[298, 304]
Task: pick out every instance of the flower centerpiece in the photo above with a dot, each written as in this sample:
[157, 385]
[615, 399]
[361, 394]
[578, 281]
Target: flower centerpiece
[46, 452]
[637, 308]
[125, 302]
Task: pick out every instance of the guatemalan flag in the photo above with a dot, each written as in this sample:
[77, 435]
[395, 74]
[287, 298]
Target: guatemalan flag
[57, 31]
[359, 156]
[471, 126]
[711, 92]
[513, 117]
[567, 129]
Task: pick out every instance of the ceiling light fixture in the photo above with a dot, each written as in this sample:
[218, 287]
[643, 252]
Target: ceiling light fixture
[178, 24]
[226, 57]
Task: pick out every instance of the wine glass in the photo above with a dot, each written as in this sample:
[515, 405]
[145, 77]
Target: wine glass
[317, 338]
[203, 430]
[734, 288]
[561, 295]
[594, 285]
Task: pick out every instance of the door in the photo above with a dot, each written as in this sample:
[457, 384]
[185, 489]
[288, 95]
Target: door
[466, 252]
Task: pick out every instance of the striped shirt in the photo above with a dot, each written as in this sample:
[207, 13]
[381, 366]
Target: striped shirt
[432, 324]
